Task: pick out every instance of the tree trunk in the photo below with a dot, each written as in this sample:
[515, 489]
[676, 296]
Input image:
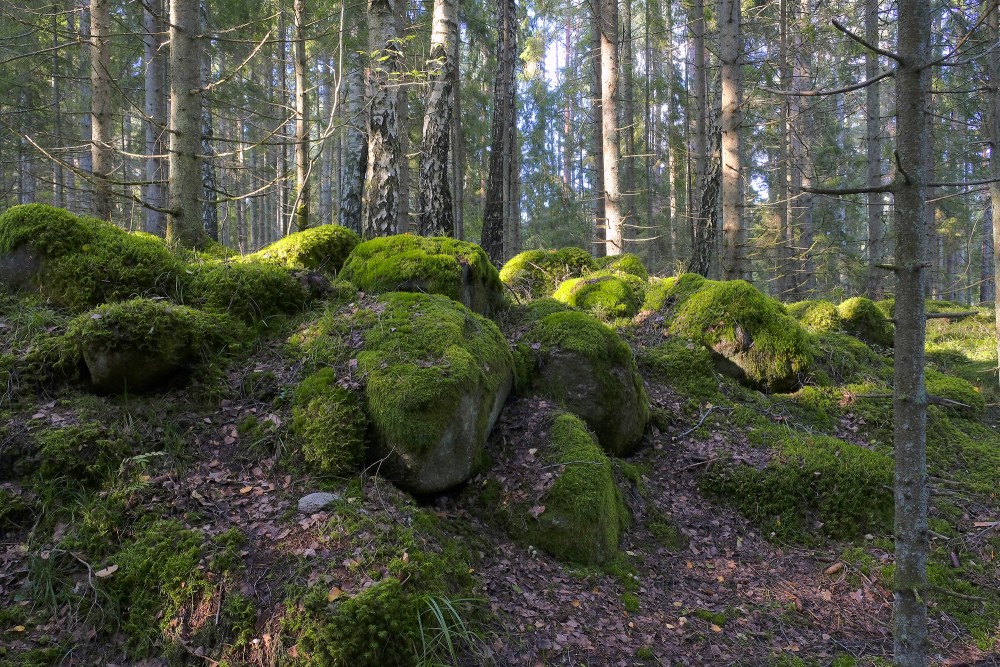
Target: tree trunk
[873, 148]
[209, 185]
[608, 21]
[58, 177]
[498, 205]
[783, 173]
[437, 213]
[382, 187]
[628, 127]
[910, 397]
[326, 212]
[355, 161]
[301, 209]
[404, 224]
[155, 110]
[458, 144]
[701, 225]
[987, 283]
[100, 105]
[597, 123]
[183, 223]
[730, 40]
[993, 127]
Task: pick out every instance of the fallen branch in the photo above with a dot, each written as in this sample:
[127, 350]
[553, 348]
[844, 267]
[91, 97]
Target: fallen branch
[954, 594]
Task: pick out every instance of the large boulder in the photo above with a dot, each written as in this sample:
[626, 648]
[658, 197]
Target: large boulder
[456, 269]
[142, 344]
[79, 262]
[536, 273]
[751, 336]
[435, 376]
[584, 365]
[605, 294]
[324, 248]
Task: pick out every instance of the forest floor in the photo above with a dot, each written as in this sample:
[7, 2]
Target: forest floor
[697, 584]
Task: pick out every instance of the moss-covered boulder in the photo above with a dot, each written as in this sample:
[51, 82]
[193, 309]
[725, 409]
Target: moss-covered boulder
[582, 513]
[604, 294]
[460, 271]
[324, 248]
[330, 420]
[818, 316]
[79, 262]
[536, 273]
[436, 376]
[863, 319]
[140, 344]
[665, 295]
[751, 336]
[685, 366]
[624, 263]
[584, 365]
[253, 291]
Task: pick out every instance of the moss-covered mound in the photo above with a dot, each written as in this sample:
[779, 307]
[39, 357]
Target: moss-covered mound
[842, 359]
[584, 515]
[331, 422]
[863, 319]
[536, 273]
[253, 292]
[812, 484]
[584, 365]
[140, 344]
[665, 295]
[460, 271]
[604, 294]
[685, 366]
[80, 262]
[817, 316]
[324, 248]
[624, 263]
[959, 396]
[436, 377]
[753, 338]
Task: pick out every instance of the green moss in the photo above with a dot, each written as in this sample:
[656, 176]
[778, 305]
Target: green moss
[716, 617]
[331, 422]
[323, 248]
[456, 269]
[86, 261]
[669, 293]
[817, 316]
[584, 512]
[813, 484]
[14, 511]
[87, 452]
[665, 531]
[536, 273]
[748, 328]
[846, 360]
[863, 319]
[955, 389]
[685, 366]
[253, 292]
[604, 294]
[626, 263]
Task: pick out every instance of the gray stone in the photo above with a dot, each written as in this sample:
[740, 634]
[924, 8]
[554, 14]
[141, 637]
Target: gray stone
[316, 502]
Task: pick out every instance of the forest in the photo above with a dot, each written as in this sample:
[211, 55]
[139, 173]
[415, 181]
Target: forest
[540, 333]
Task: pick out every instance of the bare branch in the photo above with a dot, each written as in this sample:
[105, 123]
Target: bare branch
[832, 91]
[861, 190]
[861, 40]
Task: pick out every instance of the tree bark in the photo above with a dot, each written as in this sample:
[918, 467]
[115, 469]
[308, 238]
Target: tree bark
[183, 223]
[498, 205]
[873, 149]
[155, 110]
[209, 185]
[437, 213]
[628, 126]
[100, 105]
[382, 184]
[302, 194]
[993, 127]
[355, 161]
[597, 125]
[910, 398]
[701, 227]
[730, 40]
[608, 21]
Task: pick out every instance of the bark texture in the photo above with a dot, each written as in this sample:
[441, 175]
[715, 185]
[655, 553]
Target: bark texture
[100, 105]
[437, 213]
[615, 228]
[355, 147]
[733, 262]
[873, 149]
[301, 210]
[155, 109]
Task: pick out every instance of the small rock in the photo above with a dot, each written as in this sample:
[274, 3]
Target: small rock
[314, 502]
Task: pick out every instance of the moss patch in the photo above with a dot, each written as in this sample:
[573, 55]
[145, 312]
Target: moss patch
[626, 263]
[456, 269]
[331, 422]
[664, 295]
[85, 261]
[254, 292]
[863, 319]
[536, 273]
[685, 366]
[604, 294]
[750, 330]
[584, 513]
[813, 484]
[324, 248]
[817, 316]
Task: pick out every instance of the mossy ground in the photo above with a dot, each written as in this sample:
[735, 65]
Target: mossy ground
[862, 318]
[331, 422]
[533, 274]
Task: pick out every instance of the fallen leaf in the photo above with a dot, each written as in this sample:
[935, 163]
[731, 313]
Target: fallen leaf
[334, 594]
[106, 572]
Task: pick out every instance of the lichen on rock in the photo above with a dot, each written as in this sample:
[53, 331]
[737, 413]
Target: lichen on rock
[436, 375]
[536, 273]
[585, 366]
[458, 270]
